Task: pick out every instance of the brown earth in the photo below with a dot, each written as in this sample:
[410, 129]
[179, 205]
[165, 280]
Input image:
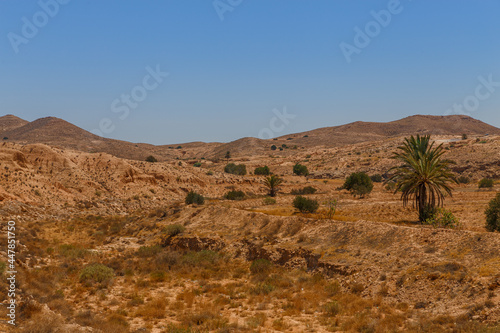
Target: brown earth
[371, 267]
[57, 132]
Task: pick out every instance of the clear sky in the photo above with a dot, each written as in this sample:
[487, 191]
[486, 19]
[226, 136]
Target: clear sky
[230, 63]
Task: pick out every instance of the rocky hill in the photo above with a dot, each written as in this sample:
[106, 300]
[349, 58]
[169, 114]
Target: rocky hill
[361, 131]
[57, 132]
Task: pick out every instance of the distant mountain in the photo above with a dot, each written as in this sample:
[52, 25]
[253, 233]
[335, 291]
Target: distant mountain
[361, 131]
[10, 122]
[53, 131]
[60, 133]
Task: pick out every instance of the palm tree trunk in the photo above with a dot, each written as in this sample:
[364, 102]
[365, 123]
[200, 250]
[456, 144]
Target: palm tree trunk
[422, 202]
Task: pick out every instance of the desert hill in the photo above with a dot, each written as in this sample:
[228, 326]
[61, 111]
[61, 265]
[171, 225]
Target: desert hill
[57, 132]
[54, 131]
[41, 175]
[361, 131]
[60, 133]
[358, 132]
[10, 122]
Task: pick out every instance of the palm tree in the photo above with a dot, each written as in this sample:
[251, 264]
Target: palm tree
[272, 183]
[423, 177]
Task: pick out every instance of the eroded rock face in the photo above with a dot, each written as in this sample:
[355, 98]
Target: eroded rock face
[293, 258]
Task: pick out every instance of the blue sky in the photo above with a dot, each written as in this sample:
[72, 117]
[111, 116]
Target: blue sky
[225, 77]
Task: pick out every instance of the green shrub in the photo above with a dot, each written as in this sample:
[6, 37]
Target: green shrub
[300, 170]
[376, 178]
[273, 147]
[463, 180]
[428, 212]
[151, 159]
[96, 273]
[197, 164]
[262, 171]
[235, 195]
[234, 169]
[194, 198]
[260, 266]
[358, 183]
[269, 201]
[305, 205]
[442, 218]
[174, 229]
[493, 214]
[305, 190]
[486, 183]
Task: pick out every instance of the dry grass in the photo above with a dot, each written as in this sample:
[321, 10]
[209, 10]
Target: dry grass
[154, 309]
[190, 291]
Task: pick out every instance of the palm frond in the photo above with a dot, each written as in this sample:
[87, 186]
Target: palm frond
[423, 177]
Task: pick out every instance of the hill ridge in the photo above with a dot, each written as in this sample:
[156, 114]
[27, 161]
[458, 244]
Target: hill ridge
[59, 132]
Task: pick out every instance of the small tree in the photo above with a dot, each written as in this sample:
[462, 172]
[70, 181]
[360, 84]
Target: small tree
[272, 183]
[262, 171]
[377, 178]
[493, 214]
[305, 205]
[358, 183]
[151, 159]
[464, 136]
[227, 156]
[300, 170]
[194, 198]
[273, 147]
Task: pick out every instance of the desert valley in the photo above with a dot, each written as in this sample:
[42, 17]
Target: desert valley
[113, 236]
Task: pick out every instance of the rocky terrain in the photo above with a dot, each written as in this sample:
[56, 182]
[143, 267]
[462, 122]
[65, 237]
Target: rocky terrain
[107, 243]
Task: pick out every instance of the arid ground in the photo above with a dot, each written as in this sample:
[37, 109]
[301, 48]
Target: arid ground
[106, 243]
